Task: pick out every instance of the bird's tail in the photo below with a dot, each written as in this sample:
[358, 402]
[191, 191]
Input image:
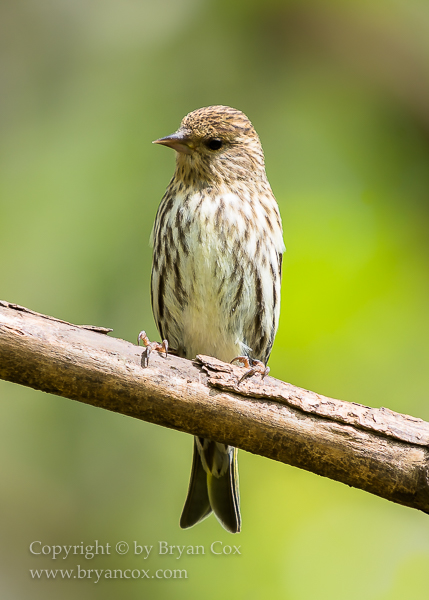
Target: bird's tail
[213, 486]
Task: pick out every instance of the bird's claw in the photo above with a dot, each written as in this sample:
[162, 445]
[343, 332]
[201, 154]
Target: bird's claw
[254, 366]
[149, 346]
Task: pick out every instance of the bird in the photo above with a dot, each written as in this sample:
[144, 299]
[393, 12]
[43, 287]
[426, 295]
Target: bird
[216, 272]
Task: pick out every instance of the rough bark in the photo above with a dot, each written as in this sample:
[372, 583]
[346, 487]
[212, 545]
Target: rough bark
[376, 450]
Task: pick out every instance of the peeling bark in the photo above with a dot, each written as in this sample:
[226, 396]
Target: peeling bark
[377, 450]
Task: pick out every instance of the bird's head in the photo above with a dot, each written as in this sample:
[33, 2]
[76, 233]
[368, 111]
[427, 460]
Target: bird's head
[216, 144]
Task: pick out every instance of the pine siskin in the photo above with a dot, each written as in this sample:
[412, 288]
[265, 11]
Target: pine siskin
[217, 255]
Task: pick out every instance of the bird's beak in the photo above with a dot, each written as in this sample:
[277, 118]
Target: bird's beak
[179, 141]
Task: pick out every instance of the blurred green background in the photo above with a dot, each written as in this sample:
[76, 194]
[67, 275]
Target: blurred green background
[339, 94]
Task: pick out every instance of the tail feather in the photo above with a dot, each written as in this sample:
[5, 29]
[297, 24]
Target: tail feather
[197, 506]
[224, 496]
[213, 492]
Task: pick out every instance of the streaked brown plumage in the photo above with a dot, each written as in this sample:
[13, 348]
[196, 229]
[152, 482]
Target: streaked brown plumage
[217, 251]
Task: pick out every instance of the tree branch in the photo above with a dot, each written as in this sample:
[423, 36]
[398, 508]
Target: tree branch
[377, 450]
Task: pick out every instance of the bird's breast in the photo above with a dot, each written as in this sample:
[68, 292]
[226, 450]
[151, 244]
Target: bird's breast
[212, 270]
[209, 275]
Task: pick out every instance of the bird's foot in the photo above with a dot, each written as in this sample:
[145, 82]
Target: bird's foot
[149, 346]
[254, 366]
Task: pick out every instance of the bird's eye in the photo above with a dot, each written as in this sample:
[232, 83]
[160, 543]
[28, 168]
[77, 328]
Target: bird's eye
[214, 143]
